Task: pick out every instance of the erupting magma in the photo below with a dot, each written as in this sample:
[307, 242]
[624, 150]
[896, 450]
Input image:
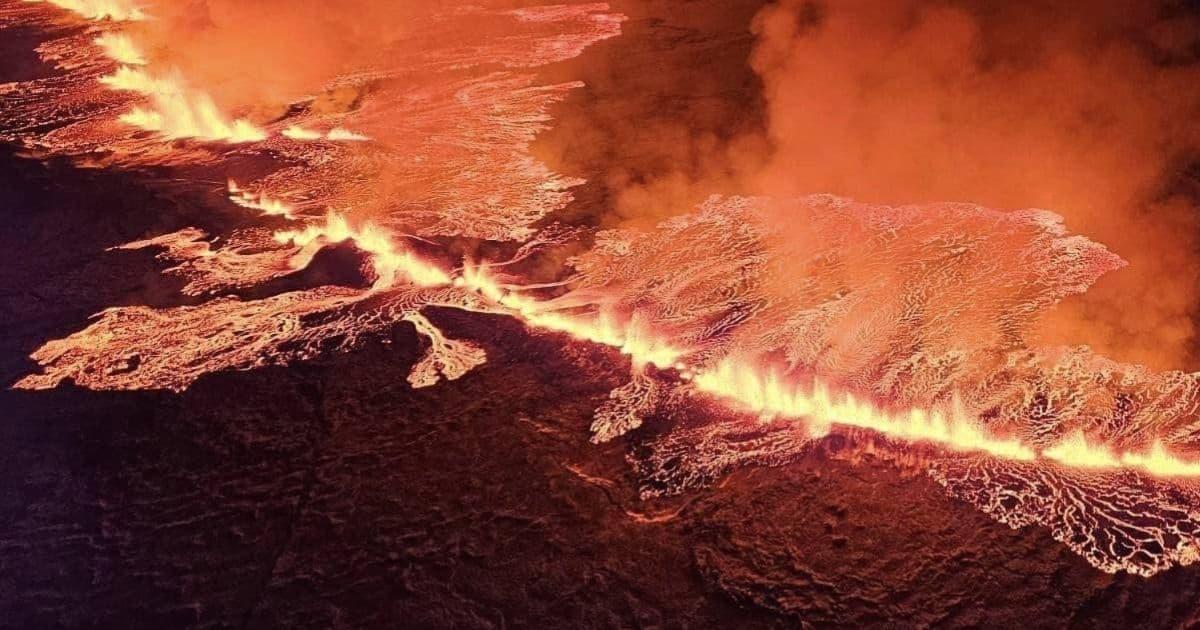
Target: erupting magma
[909, 323]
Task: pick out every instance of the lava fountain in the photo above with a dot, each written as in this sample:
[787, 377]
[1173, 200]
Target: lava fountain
[800, 316]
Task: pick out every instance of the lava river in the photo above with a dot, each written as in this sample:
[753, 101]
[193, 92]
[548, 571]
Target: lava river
[749, 339]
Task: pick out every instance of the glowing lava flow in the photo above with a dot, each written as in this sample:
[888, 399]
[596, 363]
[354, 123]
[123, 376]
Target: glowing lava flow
[1076, 451]
[708, 321]
[178, 111]
[632, 338]
[259, 201]
[345, 135]
[182, 112]
[117, 10]
[770, 396]
[119, 48]
[337, 134]
[742, 385]
[296, 132]
[748, 388]
[389, 263]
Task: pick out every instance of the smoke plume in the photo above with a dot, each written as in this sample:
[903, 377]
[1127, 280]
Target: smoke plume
[258, 56]
[1089, 113]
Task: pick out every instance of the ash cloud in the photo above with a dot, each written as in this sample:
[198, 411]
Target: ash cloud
[1086, 111]
[258, 56]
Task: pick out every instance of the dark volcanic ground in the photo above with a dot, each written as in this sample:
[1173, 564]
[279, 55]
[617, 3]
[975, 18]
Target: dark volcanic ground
[331, 494]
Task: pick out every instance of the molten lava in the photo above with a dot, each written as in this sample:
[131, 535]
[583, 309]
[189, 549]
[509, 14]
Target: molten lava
[631, 336]
[178, 111]
[118, 10]
[259, 201]
[345, 135]
[748, 387]
[120, 48]
[297, 132]
[911, 322]
[336, 134]
[390, 263]
[175, 110]
[1076, 451]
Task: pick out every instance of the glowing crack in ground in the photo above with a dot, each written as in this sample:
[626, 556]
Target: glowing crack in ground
[906, 322]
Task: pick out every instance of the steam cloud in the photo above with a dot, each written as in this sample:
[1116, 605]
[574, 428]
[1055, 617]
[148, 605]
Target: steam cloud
[258, 56]
[1082, 111]
[1087, 112]
[924, 307]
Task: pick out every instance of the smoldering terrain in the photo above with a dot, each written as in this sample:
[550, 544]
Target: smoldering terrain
[331, 493]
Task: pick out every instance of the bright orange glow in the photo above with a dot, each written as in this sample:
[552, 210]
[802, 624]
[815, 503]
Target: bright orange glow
[632, 338]
[296, 132]
[120, 48]
[337, 134]
[446, 357]
[895, 322]
[742, 385]
[178, 111]
[117, 10]
[136, 80]
[767, 394]
[345, 135]
[749, 388]
[258, 201]
[389, 263]
[1076, 451]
